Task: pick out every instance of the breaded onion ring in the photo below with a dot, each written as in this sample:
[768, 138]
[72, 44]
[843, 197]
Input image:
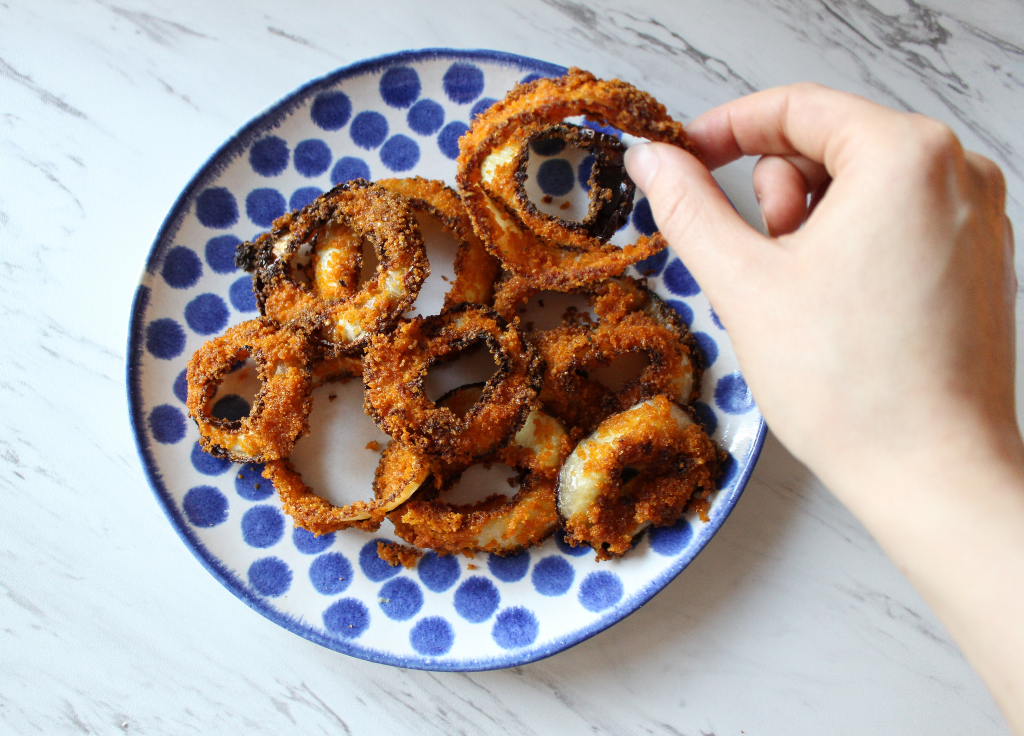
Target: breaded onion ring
[672, 457]
[280, 411]
[488, 156]
[396, 364]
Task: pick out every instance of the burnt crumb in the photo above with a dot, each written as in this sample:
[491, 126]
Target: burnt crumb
[512, 481]
[470, 567]
[546, 199]
[373, 445]
[564, 205]
[540, 303]
[331, 397]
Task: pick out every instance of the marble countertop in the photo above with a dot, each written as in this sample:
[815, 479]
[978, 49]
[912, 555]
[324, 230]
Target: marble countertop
[791, 620]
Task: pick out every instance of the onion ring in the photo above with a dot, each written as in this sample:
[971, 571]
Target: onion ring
[673, 457]
[280, 412]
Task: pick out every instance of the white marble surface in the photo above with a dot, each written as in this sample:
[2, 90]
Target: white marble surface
[792, 620]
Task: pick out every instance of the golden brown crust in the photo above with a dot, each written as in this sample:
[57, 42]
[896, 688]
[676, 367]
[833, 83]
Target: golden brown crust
[396, 554]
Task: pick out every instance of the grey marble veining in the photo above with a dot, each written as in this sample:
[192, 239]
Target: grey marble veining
[792, 619]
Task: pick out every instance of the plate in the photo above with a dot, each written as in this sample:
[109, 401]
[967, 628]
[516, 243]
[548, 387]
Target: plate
[396, 115]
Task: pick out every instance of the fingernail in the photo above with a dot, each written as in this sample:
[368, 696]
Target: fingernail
[642, 163]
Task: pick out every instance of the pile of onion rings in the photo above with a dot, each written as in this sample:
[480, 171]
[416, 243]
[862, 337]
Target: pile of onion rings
[644, 458]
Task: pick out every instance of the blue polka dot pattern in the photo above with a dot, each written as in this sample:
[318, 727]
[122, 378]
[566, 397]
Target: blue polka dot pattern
[707, 346]
[220, 253]
[552, 576]
[330, 573]
[180, 386]
[241, 295]
[683, 310]
[706, 416]
[670, 541]
[182, 268]
[600, 590]
[331, 110]
[556, 177]
[400, 599]
[303, 196]
[584, 170]
[216, 208]
[481, 106]
[509, 568]
[515, 627]
[643, 219]
[729, 469]
[349, 168]
[715, 319]
[606, 129]
[425, 117]
[207, 314]
[369, 129]
[270, 576]
[207, 464]
[569, 549]
[268, 157]
[532, 77]
[438, 572]
[679, 280]
[432, 636]
[476, 599]
[551, 147]
[205, 506]
[230, 407]
[448, 138]
[463, 82]
[347, 618]
[375, 568]
[264, 206]
[167, 424]
[165, 338]
[652, 265]
[312, 157]
[400, 86]
[262, 526]
[400, 153]
[732, 394]
[308, 543]
[250, 484]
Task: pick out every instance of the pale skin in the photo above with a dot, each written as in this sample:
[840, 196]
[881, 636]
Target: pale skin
[876, 333]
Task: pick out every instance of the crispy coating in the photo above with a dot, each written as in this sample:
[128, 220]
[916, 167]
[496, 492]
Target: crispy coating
[672, 457]
[395, 366]
[280, 411]
[395, 554]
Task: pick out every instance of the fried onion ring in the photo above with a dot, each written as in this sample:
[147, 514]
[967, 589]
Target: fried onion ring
[672, 457]
[280, 412]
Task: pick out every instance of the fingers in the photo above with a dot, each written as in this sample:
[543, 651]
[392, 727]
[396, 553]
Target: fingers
[781, 185]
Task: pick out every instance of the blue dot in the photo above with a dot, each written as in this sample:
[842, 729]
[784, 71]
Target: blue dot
[230, 407]
[310, 544]
[555, 177]
[732, 394]
[583, 171]
[432, 636]
[331, 573]
[606, 129]
[706, 416]
[515, 627]
[182, 268]
[349, 168]
[270, 576]
[716, 319]
[250, 484]
[205, 506]
[652, 265]
[207, 314]
[448, 138]
[552, 576]
[400, 86]
[216, 208]
[347, 618]
[264, 206]
[241, 295]
[425, 117]
[303, 196]
[207, 464]
[312, 157]
[509, 568]
[671, 540]
[679, 280]
[167, 424]
[180, 386]
[481, 106]
[375, 568]
[269, 156]
[729, 470]
[400, 153]
[463, 82]
[369, 129]
[262, 526]
[330, 110]
[438, 572]
[532, 77]
[476, 599]
[600, 590]
[683, 310]
[707, 346]
[165, 338]
[643, 219]
[400, 599]
[568, 549]
[220, 253]
[551, 147]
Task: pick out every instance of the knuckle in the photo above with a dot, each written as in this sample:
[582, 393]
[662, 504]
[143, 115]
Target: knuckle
[933, 140]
